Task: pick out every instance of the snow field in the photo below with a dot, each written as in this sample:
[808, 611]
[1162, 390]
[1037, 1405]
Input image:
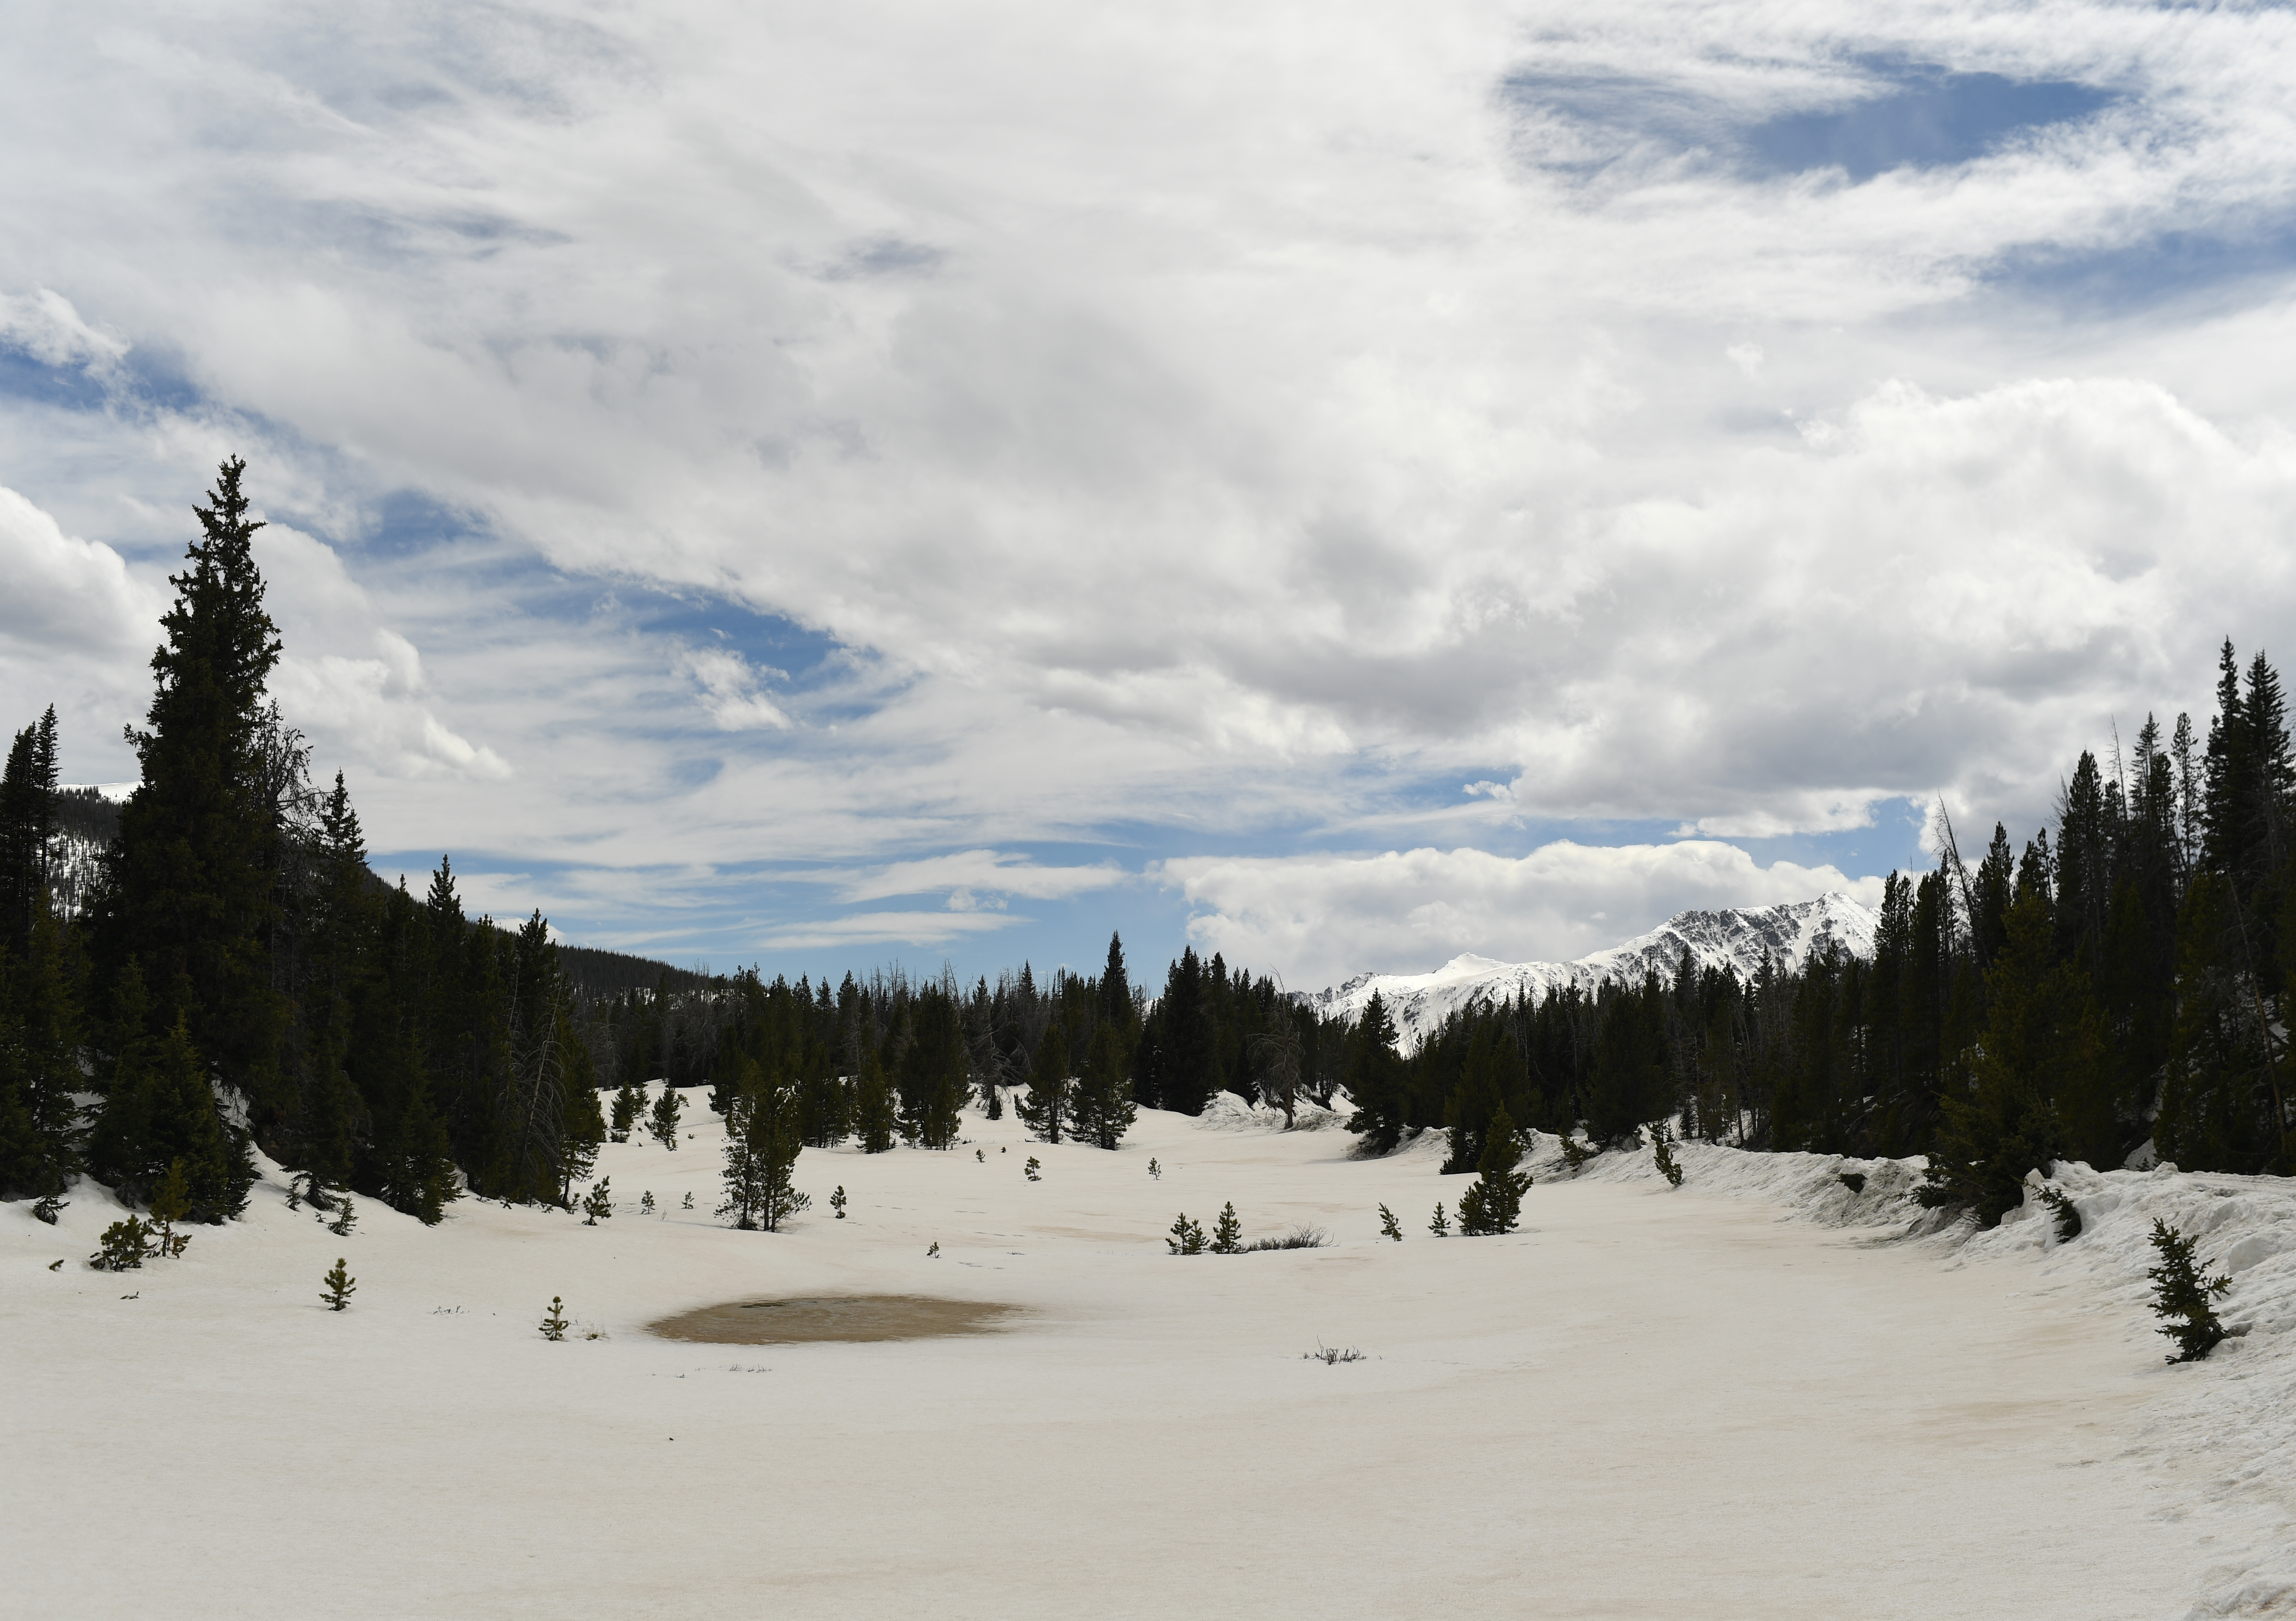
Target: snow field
[1645, 1403]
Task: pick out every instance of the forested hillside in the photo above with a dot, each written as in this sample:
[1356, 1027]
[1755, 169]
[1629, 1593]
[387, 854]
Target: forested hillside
[233, 974]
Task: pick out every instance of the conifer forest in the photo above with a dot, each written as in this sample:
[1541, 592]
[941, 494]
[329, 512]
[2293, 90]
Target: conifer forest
[221, 970]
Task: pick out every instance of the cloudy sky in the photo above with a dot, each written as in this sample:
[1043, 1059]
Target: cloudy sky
[820, 485]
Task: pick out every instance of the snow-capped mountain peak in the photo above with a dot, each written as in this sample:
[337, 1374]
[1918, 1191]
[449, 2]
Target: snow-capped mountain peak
[1736, 937]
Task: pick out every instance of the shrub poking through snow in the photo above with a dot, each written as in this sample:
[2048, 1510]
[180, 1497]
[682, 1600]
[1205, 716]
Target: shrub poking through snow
[127, 1245]
[1332, 1356]
[599, 1204]
[1575, 1153]
[645, 1202]
[837, 1201]
[345, 1217]
[2068, 1218]
[933, 1254]
[1031, 1169]
[1663, 1154]
[1187, 1237]
[340, 1285]
[1441, 1226]
[1155, 1171]
[2182, 1295]
[47, 1208]
[662, 1122]
[1302, 1237]
[1493, 1202]
[1227, 1232]
[1389, 1227]
[553, 1321]
[688, 1205]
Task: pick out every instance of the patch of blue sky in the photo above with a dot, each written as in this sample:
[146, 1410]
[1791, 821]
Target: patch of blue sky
[1917, 115]
[2200, 269]
[1929, 118]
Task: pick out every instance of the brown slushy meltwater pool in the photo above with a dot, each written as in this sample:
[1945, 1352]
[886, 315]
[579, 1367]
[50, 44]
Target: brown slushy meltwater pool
[824, 1318]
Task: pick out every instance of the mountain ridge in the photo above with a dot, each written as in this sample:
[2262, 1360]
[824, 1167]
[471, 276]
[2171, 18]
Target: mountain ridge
[1738, 937]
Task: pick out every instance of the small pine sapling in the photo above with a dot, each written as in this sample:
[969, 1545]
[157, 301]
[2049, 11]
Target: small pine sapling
[1663, 1154]
[1389, 1227]
[554, 1322]
[980, 1155]
[599, 1205]
[1575, 1153]
[661, 1124]
[1227, 1232]
[47, 1207]
[2068, 1218]
[837, 1201]
[127, 1245]
[933, 1254]
[1155, 1171]
[1187, 1237]
[645, 1202]
[340, 1284]
[2181, 1294]
[345, 1217]
[1031, 1169]
[171, 1202]
[1493, 1201]
[1441, 1226]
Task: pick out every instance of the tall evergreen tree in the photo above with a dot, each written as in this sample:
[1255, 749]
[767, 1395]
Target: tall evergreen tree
[1376, 1079]
[28, 821]
[190, 890]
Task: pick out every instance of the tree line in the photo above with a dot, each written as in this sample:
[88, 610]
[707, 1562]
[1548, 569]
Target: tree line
[232, 974]
[2127, 977]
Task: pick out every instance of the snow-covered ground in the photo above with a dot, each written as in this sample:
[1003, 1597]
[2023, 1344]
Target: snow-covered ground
[1739, 938]
[1748, 1398]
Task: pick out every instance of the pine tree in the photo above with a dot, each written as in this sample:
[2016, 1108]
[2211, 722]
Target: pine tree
[1440, 1224]
[629, 1103]
[127, 1245]
[1187, 1237]
[1101, 1110]
[1663, 1154]
[1493, 1202]
[340, 1286]
[837, 1201]
[1227, 1232]
[599, 1205]
[1389, 1227]
[1032, 1169]
[2181, 1294]
[1045, 1109]
[875, 1118]
[554, 1322]
[661, 1124]
[28, 820]
[2039, 1030]
[40, 1036]
[761, 1150]
[161, 1109]
[645, 1202]
[190, 888]
[171, 1202]
[1376, 1079]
